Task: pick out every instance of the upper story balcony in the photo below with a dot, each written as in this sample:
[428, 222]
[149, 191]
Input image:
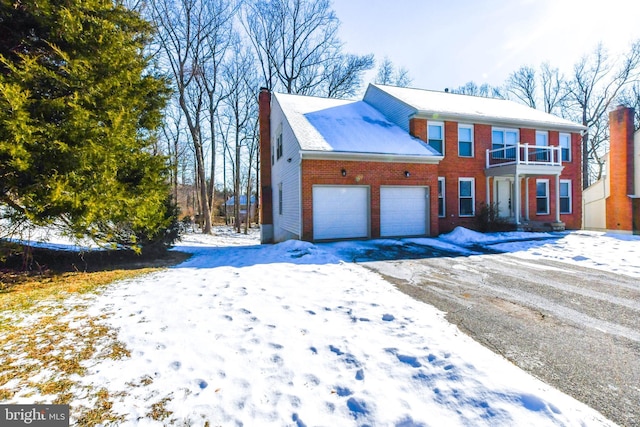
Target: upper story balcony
[524, 159]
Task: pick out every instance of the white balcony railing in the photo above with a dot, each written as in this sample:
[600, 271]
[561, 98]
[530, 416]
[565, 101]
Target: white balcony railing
[524, 154]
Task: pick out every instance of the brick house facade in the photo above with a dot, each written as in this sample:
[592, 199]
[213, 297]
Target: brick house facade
[613, 202]
[408, 162]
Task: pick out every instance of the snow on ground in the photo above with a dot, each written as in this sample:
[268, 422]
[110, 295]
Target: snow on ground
[619, 253]
[291, 335]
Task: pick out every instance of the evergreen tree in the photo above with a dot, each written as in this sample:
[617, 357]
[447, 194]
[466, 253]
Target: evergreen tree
[79, 110]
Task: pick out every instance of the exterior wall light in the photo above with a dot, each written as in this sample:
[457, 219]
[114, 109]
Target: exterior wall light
[407, 174]
[344, 172]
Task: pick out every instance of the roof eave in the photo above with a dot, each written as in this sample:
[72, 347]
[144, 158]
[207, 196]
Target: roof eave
[533, 124]
[372, 157]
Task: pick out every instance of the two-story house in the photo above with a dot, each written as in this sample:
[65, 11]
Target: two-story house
[411, 162]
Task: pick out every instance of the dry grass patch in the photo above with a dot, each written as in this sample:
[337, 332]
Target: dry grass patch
[47, 340]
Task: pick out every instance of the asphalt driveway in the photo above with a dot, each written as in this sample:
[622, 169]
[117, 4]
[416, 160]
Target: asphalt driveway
[573, 327]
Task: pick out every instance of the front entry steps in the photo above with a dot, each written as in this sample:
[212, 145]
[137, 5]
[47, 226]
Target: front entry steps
[541, 226]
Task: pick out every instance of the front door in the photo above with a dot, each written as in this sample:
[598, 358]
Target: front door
[503, 198]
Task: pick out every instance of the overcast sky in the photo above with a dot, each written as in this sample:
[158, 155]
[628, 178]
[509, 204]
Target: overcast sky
[447, 43]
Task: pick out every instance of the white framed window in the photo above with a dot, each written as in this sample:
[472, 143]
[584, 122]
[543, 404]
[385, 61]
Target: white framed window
[465, 140]
[466, 197]
[565, 146]
[280, 198]
[542, 196]
[542, 140]
[441, 197]
[279, 146]
[565, 196]
[504, 140]
[435, 136]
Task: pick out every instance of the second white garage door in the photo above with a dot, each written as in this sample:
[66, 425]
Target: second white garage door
[340, 212]
[404, 211]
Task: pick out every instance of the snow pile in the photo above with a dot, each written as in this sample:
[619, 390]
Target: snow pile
[465, 237]
[287, 334]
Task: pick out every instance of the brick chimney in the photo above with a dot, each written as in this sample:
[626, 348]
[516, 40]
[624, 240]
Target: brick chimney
[266, 194]
[621, 161]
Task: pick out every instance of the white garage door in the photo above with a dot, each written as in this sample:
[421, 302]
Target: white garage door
[340, 212]
[404, 211]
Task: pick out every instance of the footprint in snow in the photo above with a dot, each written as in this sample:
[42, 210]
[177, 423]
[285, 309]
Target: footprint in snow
[175, 365]
[403, 358]
[388, 317]
[357, 407]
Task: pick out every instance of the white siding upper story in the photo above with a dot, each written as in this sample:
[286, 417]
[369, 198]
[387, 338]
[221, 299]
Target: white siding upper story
[397, 112]
[399, 104]
[285, 177]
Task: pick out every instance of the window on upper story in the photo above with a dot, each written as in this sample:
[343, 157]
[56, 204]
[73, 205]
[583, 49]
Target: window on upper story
[542, 140]
[565, 146]
[565, 196]
[465, 140]
[435, 136]
[542, 196]
[279, 145]
[466, 196]
[503, 142]
[441, 199]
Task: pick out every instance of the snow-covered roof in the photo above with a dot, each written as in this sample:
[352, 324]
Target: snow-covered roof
[476, 109]
[341, 126]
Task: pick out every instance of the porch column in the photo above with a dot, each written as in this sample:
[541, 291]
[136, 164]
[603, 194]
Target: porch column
[557, 198]
[488, 193]
[516, 196]
[526, 199]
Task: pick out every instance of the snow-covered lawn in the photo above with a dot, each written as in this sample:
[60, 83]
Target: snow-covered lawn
[292, 335]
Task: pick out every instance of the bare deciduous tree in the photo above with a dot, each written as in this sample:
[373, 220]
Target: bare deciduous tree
[484, 90]
[595, 84]
[297, 46]
[553, 88]
[631, 98]
[193, 36]
[522, 84]
[387, 74]
[241, 111]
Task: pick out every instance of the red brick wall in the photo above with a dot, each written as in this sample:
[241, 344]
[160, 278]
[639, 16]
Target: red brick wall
[372, 174]
[619, 206]
[528, 136]
[453, 167]
[418, 128]
[573, 171]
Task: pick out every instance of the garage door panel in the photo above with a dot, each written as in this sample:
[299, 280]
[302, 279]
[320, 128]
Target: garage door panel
[340, 212]
[404, 211]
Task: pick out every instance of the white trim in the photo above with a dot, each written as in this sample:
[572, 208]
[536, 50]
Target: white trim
[570, 196]
[444, 197]
[441, 126]
[545, 134]
[473, 196]
[568, 135]
[470, 127]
